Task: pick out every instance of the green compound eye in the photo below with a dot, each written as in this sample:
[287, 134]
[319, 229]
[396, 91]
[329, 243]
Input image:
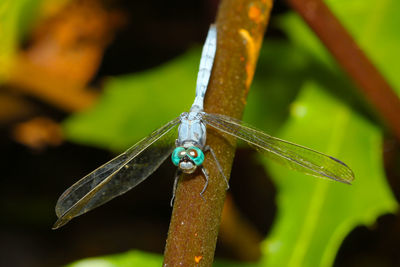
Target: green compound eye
[176, 156]
[196, 155]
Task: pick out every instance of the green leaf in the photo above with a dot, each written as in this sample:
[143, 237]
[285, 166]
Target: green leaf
[315, 215]
[132, 106]
[128, 259]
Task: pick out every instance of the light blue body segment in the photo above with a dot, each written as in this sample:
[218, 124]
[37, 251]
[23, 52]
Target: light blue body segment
[192, 130]
[206, 65]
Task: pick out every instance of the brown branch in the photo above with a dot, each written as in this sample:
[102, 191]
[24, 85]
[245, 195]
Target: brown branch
[194, 224]
[353, 60]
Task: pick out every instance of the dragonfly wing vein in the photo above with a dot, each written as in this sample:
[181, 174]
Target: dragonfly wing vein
[291, 155]
[118, 175]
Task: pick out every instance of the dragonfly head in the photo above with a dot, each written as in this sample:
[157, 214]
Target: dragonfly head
[187, 159]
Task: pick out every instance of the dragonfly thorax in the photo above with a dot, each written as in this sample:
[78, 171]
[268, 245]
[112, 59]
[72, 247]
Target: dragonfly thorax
[191, 131]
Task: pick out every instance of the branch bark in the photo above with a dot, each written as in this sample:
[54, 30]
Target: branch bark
[194, 224]
[352, 59]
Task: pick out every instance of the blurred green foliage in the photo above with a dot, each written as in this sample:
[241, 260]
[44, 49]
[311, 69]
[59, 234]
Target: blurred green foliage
[375, 26]
[16, 18]
[128, 259]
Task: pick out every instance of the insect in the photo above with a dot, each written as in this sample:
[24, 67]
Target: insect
[187, 152]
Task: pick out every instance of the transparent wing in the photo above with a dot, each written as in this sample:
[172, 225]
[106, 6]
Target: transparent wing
[118, 175]
[296, 157]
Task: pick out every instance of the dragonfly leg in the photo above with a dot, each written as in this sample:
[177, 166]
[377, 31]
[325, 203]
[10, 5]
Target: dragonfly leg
[177, 174]
[208, 148]
[205, 186]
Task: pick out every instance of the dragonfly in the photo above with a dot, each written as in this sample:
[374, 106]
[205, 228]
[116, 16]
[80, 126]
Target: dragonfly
[184, 140]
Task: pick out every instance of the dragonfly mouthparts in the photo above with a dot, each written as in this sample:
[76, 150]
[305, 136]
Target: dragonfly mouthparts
[187, 165]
